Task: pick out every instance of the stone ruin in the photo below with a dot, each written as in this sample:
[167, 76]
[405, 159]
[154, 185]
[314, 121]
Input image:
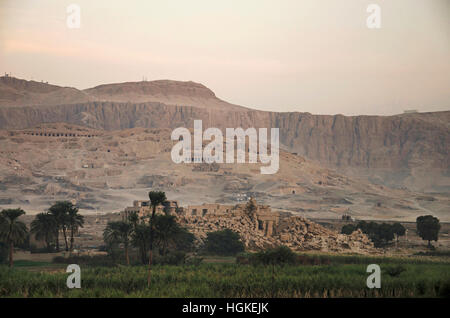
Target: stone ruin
[258, 226]
[42, 133]
[143, 208]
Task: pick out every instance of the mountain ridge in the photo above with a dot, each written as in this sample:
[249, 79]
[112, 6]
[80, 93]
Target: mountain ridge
[15, 92]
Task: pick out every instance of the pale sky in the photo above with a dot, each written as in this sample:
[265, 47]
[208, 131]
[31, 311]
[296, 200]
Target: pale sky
[313, 56]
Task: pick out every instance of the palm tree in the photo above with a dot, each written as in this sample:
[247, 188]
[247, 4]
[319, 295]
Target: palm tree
[119, 232]
[58, 210]
[74, 222]
[133, 218]
[166, 231]
[44, 227]
[156, 198]
[67, 219]
[140, 239]
[12, 231]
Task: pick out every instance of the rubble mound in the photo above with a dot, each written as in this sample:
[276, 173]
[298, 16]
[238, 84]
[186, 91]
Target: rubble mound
[301, 233]
[296, 232]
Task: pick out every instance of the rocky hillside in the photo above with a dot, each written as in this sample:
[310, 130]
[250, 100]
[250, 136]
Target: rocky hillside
[106, 170]
[405, 150]
[163, 91]
[16, 92]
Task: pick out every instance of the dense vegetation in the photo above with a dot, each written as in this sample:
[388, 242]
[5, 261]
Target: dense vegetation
[343, 277]
[128, 241]
[275, 256]
[12, 231]
[428, 228]
[225, 242]
[379, 233]
[61, 217]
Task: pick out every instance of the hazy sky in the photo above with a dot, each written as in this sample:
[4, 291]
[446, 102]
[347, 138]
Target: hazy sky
[316, 56]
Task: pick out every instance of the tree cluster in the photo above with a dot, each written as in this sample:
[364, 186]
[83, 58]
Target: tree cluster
[61, 217]
[224, 243]
[428, 228]
[379, 233]
[160, 233]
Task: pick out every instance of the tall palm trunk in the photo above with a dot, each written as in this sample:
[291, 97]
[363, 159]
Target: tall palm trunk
[126, 254]
[164, 250]
[65, 238]
[144, 252]
[11, 252]
[47, 242]
[150, 259]
[150, 254]
[71, 239]
[57, 239]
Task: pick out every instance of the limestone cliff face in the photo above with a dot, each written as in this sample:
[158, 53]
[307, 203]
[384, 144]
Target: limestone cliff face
[368, 141]
[406, 149]
[392, 142]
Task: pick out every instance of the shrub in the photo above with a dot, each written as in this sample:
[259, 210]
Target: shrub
[348, 229]
[184, 240]
[275, 256]
[223, 243]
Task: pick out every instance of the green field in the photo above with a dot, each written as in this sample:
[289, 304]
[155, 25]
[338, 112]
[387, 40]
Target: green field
[344, 277]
